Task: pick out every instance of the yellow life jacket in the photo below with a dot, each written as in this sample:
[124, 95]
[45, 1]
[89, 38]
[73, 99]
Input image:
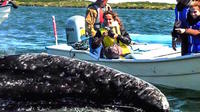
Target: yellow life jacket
[109, 41]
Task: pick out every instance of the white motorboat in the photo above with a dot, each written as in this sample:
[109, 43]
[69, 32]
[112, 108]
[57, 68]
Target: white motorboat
[4, 12]
[155, 63]
[5, 9]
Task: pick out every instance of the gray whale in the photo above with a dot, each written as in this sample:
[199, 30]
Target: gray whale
[42, 77]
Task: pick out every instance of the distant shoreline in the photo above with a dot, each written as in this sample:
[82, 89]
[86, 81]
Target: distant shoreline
[84, 4]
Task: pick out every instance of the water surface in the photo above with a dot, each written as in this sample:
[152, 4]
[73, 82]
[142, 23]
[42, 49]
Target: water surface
[29, 30]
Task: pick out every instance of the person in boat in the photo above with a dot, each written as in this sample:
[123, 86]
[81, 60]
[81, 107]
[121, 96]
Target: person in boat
[193, 29]
[94, 20]
[6, 2]
[3, 2]
[181, 12]
[94, 16]
[113, 37]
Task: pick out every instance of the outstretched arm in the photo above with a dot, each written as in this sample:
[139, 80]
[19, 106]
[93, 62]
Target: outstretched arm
[192, 32]
[189, 31]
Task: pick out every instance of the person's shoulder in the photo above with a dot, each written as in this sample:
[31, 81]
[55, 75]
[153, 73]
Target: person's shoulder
[92, 6]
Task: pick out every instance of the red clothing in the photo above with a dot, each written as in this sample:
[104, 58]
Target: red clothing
[4, 3]
[101, 15]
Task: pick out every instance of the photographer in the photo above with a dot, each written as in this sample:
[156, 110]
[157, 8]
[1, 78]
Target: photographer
[113, 37]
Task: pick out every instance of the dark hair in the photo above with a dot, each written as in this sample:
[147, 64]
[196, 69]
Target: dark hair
[180, 7]
[184, 2]
[110, 53]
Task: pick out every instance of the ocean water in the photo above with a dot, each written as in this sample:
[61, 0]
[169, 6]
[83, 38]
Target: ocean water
[29, 30]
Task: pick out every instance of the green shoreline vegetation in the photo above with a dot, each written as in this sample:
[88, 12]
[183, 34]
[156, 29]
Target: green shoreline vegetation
[83, 3]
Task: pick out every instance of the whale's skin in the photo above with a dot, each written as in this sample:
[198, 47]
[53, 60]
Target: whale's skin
[41, 77]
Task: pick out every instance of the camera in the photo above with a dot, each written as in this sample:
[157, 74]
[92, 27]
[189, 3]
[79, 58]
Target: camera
[110, 32]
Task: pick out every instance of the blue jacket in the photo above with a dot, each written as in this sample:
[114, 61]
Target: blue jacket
[182, 16]
[194, 41]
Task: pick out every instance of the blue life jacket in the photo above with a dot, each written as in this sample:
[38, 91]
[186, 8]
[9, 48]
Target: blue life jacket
[194, 41]
[182, 16]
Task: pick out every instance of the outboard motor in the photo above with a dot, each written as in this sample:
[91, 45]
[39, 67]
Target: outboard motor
[75, 30]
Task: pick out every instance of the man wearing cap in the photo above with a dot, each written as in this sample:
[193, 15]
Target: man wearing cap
[94, 20]
[181, 11]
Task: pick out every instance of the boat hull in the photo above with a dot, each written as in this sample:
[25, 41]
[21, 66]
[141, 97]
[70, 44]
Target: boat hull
[4, 12]
[177, 72]
[180, 73]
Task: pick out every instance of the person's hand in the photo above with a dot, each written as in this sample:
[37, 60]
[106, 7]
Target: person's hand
[180, 30]
[105, 33]
[111, 33]
[175, 41]
[115, 36]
